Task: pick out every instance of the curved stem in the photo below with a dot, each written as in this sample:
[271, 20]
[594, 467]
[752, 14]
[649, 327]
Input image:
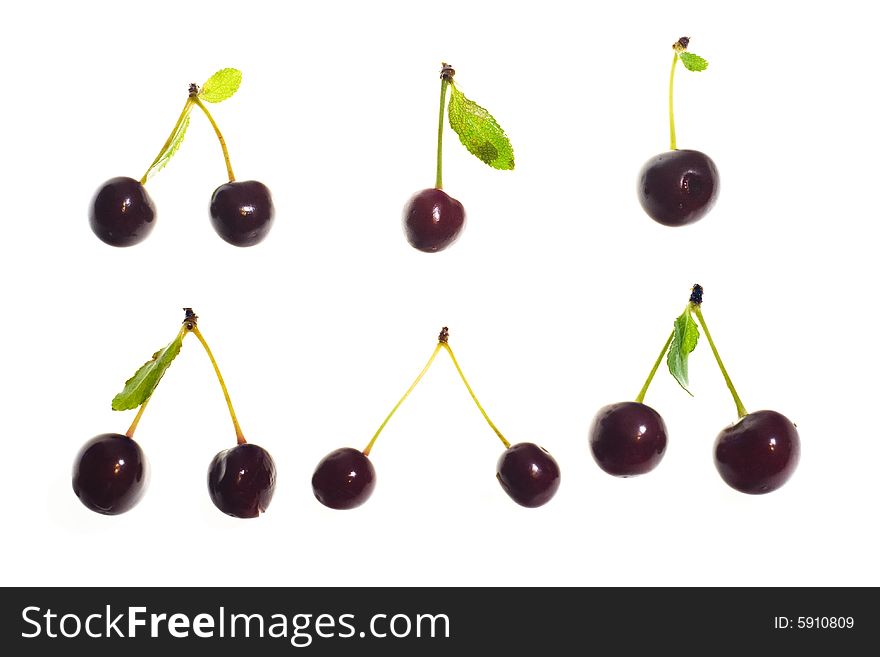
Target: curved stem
[473, 396]
[238, 434]
[644, 390]
[369, 446]
[183, 114]
[201, 105]
[740, 409]
[671, 114]
[137, 418]
[444, 83]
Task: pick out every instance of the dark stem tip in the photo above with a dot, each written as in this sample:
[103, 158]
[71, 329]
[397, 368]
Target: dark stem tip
[444, 335]
[682, 44]
[193, 89]
[190, 319]
[447, 72]
[697, 294]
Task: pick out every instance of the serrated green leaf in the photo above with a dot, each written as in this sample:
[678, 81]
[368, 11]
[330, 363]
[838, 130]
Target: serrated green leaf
[479, 131]
[139, 387]
[684, 341]
[693, 62]
[220, 86]
[172, 147]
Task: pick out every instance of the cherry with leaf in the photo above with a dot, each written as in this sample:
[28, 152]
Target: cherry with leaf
[123, 214]
[757, 454]
[433, 220]
[679, 187]
[110, 473]
[345, 478]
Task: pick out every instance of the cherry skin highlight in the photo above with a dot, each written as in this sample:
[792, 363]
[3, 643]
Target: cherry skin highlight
[627, 439]
[678, 187]
[242, 212]
[110, 474]
[122, 213]
[433, 220]
[528, 474]
[241, 480]
[759, 453]
[344, 479]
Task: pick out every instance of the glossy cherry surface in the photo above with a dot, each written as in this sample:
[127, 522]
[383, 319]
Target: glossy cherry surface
[528, 474]
[678, 187]
[241, 480]
[242, 212]
[344, 479]
[432, 220]
[758, 453]
[122, 213]
[627, 438]
[110, 474]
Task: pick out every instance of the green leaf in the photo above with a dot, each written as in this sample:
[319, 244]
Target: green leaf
[684, 341]
[693, 62]
[139, 387]
[173, 145]
[220, 86]
[479, 131]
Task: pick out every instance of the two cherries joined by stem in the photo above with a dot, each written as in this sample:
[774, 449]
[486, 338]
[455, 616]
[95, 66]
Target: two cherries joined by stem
[111, 472]
[757, 454]
[123, 214]
[345, 478]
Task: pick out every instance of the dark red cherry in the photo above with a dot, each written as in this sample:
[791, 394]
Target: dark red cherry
[344, 479]
[758, 453]
[627, 438]
[432, 220]
[110, 474]
[241, 480]
[528, 474]
[678, 187]
[242, 212]
[122, 213]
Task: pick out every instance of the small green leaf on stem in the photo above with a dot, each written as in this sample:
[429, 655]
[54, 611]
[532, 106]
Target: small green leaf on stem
[693, 62]
[139, 387]
[170, 149]
[479, 131]
[220, 86]
[684, 341]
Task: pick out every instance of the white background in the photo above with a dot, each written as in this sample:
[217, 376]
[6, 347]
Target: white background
[559, 294]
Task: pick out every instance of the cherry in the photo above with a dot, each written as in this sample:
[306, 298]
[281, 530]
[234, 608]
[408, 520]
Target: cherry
[241, 480]
[110, 474]
[242, 212]
[122, 213]
[344, 479]
[528, 474]
[433, 220]
[678, 187]
[758, 453]
[627, 438]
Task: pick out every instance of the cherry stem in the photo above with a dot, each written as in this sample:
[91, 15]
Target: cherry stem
[369, 447]
[137, 418]
[672, 146]
[191, 326]
[644, 390]
[467, 385]
[444, 83]
[186, 110]
[740, 409]
[201, 105]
